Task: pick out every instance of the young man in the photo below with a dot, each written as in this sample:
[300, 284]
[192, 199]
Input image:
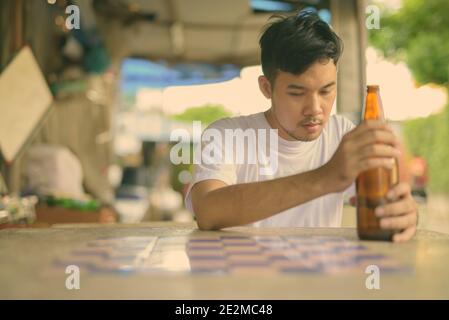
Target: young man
[319, 156]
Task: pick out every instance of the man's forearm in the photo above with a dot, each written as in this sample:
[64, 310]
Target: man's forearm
[249, 202]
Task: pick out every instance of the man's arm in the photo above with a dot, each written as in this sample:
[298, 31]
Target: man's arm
[217, 205]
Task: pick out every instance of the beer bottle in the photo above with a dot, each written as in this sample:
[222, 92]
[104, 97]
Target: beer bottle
[372, 185]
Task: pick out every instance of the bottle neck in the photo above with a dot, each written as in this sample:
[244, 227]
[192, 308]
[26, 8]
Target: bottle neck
[373, 106]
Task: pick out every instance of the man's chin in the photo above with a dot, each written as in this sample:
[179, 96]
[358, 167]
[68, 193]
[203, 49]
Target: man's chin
[305, 134]
[309, 138]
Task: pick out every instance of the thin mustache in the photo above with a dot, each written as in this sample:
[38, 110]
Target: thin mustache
[311, 122]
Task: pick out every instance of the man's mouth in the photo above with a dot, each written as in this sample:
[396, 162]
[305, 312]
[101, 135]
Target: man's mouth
[311, 127]
[312, 122]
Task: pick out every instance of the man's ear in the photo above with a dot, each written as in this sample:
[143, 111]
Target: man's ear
[265, 86]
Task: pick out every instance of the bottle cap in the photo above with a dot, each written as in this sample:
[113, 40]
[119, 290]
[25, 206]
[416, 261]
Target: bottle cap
[372, 87]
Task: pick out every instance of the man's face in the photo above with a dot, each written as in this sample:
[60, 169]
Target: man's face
[301, 104]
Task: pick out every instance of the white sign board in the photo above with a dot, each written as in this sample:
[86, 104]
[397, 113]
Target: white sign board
[24, 100]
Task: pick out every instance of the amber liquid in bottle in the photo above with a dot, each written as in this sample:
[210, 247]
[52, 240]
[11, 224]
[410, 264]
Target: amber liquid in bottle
[372, 185]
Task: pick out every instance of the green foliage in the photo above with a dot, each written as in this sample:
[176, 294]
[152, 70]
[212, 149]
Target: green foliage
[429, 138]
[417, 33]
[206, 114]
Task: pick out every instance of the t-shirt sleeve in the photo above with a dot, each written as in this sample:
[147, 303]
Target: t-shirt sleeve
[210, 162]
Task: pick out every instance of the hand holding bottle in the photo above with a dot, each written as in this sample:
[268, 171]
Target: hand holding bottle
[370, 145]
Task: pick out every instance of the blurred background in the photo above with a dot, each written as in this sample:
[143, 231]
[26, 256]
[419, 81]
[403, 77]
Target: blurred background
[122, 75]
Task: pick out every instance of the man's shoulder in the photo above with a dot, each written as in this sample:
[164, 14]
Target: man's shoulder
[340, 125]
[236, 122]
[342, 121]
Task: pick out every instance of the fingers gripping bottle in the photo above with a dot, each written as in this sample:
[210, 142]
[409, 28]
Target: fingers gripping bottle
[372, 185]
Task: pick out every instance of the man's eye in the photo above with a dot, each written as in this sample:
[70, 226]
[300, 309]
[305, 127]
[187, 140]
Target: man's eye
[325, 92]
[296, 94]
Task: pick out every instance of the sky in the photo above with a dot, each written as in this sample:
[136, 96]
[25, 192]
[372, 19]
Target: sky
[401, 97]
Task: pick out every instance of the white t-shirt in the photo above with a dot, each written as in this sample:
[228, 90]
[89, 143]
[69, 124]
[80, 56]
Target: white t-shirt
[292, 157]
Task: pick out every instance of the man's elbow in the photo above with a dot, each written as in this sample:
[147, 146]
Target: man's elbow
[209, 215]
[204, 221]
[205, 225]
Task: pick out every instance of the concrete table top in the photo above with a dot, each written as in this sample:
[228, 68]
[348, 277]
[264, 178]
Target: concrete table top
[27, 270]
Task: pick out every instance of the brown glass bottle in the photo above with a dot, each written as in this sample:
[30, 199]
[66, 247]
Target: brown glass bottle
[372, 185]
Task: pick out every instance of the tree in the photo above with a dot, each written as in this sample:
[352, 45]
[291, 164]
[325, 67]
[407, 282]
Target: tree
[206, 114]
[417, 33]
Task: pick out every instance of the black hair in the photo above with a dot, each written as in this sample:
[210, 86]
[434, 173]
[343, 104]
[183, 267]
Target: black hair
[293, 43]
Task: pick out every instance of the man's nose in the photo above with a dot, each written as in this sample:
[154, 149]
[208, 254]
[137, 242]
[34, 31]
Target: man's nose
[313, 106]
